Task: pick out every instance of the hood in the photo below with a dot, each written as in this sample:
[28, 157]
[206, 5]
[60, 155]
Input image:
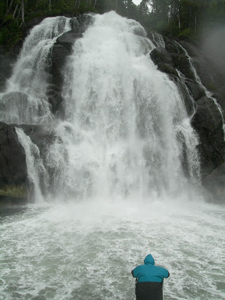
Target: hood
[149, 260]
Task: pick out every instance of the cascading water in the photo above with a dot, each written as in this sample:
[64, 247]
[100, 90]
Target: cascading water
[126, 127]
[127, 119]
[28, 83]
[35, 168]
[158, 40]
[126, 134]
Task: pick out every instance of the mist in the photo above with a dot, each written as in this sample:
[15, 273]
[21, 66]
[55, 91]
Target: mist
[213, 45]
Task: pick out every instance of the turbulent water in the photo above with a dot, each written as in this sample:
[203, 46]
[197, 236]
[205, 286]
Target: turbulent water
[119, 181]
[87, 250]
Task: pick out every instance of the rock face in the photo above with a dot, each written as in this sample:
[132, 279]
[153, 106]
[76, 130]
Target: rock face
[196, 77]
[6, 62]
[214, 183]
[209, 124]
[13, 168]
[61, 49]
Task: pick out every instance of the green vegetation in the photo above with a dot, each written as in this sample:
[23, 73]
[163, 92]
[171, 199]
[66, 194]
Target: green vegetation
[14, 191]
[186, 19]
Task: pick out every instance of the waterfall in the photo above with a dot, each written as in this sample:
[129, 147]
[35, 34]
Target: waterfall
[37, 174]
[30, 77]
[208, 93]
[126, 132]
[129, 128]
[158, 39]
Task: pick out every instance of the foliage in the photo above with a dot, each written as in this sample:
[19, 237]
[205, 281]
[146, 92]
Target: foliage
[182, 18]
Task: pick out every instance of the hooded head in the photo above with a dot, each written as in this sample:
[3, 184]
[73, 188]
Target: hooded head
[149, 260]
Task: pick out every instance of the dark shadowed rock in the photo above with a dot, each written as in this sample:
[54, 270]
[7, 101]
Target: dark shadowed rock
[163, 60]
[211, 75]
[214, 183]
[61, 50]
[196, 90]
[13, 168]
[55, 99]
[59, 55]
[220, 96]
[6, 64]
[68, 39]
[207, 121]
[40, 135]
[74, 24]
[42, 138]
[84, 21]
[185, 94]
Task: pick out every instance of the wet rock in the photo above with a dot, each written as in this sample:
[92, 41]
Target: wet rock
[59, 55]
[42, 138]
[84, 21]
[13, 168]
[210, 74]
[163, 60]
[207, 121]
[196, 90]
[68, 39]
[6, 64]
[61, 50]
[214, 184]
[220, 96]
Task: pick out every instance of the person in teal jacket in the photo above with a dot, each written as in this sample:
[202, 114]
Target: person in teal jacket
[149, 280]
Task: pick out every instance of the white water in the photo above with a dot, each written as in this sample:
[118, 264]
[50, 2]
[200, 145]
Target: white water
[128, 124]
[117, 162]
[87, 251]
[158, 39]
[35, 167]
[31, 76]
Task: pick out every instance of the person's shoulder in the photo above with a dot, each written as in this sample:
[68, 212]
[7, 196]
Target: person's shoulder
[161, 268]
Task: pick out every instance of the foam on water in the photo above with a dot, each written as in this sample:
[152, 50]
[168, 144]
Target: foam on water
[87, 250]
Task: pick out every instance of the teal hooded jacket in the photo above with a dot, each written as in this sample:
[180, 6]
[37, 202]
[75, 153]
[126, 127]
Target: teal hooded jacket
[149, 272]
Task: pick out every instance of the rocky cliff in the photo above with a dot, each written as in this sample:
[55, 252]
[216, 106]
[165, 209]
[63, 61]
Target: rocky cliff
[199, 78]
